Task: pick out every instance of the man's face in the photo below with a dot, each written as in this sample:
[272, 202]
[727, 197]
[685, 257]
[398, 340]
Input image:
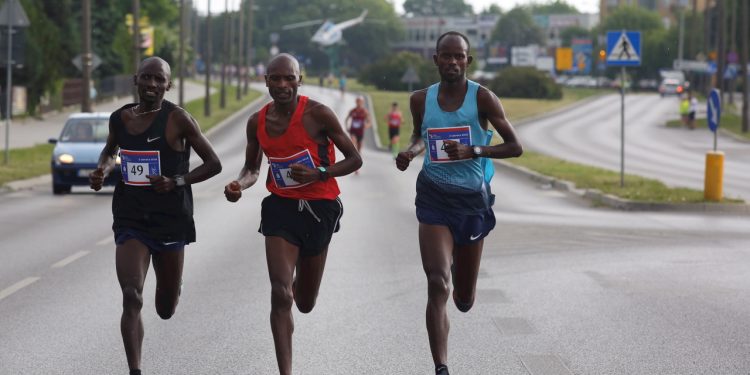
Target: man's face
[152, 81]
[452, 58]
[283, 80]
[360, 102]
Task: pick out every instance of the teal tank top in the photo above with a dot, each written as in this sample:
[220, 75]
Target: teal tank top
[461, 125]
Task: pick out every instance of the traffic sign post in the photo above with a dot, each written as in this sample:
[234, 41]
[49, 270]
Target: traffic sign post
[714, 177]
[11, 14]
[623, 49]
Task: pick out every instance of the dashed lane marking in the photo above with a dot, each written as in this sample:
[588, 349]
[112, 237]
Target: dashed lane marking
[105, 241]
[70, 259]
[17, 286]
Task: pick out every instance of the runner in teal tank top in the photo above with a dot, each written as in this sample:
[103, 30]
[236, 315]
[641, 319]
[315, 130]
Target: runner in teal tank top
[454, 201]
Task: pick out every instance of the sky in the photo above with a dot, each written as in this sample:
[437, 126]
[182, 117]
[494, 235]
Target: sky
[586, 6]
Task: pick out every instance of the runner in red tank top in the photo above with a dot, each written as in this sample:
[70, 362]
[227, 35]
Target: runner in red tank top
[358, 120]
[297, 135]
[394, 119]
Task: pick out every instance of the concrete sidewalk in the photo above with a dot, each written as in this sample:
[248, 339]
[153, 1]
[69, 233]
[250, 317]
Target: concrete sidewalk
[31, 131]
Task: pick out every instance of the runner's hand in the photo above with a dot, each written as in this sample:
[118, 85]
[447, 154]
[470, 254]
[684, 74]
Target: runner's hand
[457, 150]
[403, 159]
[303, 174]
[233, 191]
[96, 179]
[161, 184]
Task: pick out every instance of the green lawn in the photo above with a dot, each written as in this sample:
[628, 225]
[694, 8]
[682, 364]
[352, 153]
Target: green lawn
[35, 161]
[729, 121]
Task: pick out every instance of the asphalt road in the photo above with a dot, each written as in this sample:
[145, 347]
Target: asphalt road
[564, 287]
[590, 134]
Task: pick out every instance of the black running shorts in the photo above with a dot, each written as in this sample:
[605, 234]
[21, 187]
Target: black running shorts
[308, 224]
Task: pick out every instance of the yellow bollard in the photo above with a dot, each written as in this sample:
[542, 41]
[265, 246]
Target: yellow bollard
[712, 190]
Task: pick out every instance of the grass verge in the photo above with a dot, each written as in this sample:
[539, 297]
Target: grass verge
[34, 161]
[729, 122]
[586, 177]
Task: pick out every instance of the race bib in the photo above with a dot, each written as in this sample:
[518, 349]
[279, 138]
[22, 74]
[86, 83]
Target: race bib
[136, 165]
[436, 138]
[357, 123]
[282, 172]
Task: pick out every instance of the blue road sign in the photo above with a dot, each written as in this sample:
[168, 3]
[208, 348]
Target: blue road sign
[714, 109]
[623, 48]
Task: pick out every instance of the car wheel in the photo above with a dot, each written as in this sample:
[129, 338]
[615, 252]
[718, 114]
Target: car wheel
[60, 189]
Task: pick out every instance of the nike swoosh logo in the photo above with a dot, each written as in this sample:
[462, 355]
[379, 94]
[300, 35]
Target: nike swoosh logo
[149, 140]
[168, 243]
[472, 238]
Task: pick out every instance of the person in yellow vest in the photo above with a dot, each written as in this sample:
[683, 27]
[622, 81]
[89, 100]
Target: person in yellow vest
[685, 110]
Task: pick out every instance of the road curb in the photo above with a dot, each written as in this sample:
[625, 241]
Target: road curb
[611, 201]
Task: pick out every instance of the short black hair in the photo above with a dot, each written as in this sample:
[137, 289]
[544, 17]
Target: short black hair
[452, 33]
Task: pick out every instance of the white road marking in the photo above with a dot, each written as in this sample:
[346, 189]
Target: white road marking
[17, 286]
[69, 259]
[105, 241]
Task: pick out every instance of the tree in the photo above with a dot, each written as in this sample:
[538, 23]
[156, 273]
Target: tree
[437, 7]
[492, 9]
[517, 28]
[568, 33]
[658, 46]
[525, 82]
[386, 73]
[555, 7]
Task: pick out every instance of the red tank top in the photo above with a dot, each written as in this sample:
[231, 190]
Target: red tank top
[394, 120]
[359, 117]
[296, 141]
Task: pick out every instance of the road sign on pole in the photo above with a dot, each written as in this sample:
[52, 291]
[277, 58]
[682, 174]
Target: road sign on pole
[623, 48]
[11, 14]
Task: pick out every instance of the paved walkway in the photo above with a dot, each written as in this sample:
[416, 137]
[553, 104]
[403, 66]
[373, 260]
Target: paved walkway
[31, 131]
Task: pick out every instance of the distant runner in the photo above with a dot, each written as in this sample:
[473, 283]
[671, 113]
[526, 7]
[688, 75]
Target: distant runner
[299, 217]
[454, 201]
[152, 206]
[394, 119]
[358, 120]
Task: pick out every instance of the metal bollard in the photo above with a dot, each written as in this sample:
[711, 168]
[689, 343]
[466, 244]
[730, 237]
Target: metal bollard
[714, 179]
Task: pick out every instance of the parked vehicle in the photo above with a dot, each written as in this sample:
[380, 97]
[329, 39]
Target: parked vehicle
[76, 152]
[671, 86]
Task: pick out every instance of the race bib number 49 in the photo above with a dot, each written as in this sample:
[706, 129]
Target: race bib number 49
[282, 172]
[436, 138]
[136, 165]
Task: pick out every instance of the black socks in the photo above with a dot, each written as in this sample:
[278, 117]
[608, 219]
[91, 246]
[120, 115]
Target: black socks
[441, 370]
[135, 372]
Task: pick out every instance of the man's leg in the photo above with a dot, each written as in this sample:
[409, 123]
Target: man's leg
[307, 281]
[131, 259]
[436, 247]
[168, 270]
[281, 257]
[466, 260]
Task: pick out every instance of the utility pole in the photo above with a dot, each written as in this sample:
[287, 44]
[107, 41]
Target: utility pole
[241, 67]
[86, 57]
[230, 48]
[207, 70]
[720, 65]
[136, 43]
[225, 46]
[249, 55]
[181, 53]
[732, 43]
[745, 45]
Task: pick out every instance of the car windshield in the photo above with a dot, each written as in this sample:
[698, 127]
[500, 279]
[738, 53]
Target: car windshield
[85, 130]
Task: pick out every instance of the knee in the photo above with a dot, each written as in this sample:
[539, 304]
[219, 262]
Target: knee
[132, 299]
[281, 297]
[437, 285]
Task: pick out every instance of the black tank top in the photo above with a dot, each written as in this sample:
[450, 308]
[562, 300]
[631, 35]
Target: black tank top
[165, 217]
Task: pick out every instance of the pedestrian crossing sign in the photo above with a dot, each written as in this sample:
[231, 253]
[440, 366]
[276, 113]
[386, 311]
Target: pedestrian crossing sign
[623, 48]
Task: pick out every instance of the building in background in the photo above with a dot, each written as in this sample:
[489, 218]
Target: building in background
[667, 8]
[421, 32]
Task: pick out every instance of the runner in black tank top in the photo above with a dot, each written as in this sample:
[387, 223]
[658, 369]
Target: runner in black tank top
[153, 206]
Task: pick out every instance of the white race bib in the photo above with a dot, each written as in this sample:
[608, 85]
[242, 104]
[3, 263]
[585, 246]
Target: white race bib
[436, 138]
[282, 172]
[136, 165]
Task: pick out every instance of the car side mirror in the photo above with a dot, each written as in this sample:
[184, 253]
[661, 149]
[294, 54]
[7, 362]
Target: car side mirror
[52, 141]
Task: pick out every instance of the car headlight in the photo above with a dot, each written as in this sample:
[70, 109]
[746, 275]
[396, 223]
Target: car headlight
[65, 159]
[118, 161]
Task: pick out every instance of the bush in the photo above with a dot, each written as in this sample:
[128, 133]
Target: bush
[386, 73]
[525, 82]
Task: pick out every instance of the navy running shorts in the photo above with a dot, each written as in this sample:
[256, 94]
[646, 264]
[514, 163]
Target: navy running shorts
[466, 229]
[154, 246]
[307, 224]
[393, 132]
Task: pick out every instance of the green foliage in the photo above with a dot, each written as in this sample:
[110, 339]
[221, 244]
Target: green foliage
[525, 82]
[492, 9]
[437, 7]
[555, 7]
[517, 28]
[386, 73]
[568, 33]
